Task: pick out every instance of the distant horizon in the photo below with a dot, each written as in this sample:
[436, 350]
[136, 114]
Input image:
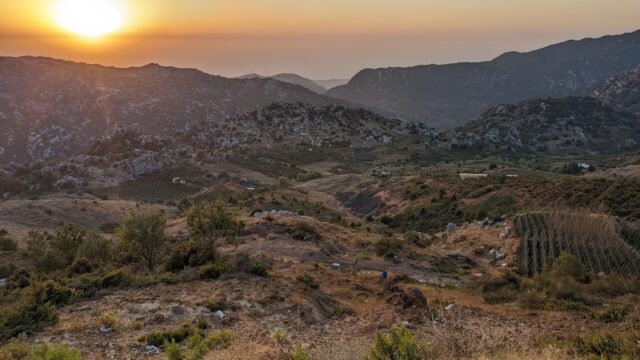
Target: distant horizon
[285, 71]
[328, 39]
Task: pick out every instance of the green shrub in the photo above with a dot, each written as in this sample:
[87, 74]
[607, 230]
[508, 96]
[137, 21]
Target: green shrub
[141, 237]
[242, 262]
[208, 222]
[399, 344]
[189, 254]
[213, 271]
[218, 339]
[389, 247]
[606, 346]
[613, 285]
[15, 350]
[6, 270]
[612, 314]
[500, 289]
[304, 232]
[309, 280]
[569, 266]
[173, 350]
[300, 354]
[81, 266]
[54, 293]
[56, 352]
[96, 249]
[160, 337]
[27, 318]
[7, 244]
[167, 278]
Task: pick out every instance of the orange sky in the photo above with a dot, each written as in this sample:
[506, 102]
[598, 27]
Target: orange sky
[315, 38]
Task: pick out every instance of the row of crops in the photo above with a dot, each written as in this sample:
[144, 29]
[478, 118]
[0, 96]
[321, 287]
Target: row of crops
[597, 241]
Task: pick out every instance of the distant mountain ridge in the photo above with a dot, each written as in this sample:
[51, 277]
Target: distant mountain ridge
[51, 108]
[446, 96]
[290, 79]
[606, 122]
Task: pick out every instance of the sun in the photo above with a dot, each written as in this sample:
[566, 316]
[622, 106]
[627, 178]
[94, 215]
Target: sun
[88, 18]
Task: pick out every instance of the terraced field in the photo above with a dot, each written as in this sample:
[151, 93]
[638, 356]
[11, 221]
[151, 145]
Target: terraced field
[596, 240]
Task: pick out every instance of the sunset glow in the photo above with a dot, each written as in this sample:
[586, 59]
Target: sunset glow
[88, 18]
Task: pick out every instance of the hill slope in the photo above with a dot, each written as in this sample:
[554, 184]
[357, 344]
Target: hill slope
[446, 96]
[622, 91]
[572, 125]
[50, 108]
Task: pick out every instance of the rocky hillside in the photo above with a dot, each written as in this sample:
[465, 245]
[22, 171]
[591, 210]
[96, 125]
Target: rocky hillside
[622, 91]
[571, 125]
[446, 96]
[289, 133]
[51, 108]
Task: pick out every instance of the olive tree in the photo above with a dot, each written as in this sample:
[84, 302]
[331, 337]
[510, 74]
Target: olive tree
[141, 236]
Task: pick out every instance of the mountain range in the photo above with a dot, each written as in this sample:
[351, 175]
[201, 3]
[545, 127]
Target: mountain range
[447, 96]
[317, 86]
[51, 107]
[607, 121]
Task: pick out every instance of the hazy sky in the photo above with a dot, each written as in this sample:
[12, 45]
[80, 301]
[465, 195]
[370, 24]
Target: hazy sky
[315, 38]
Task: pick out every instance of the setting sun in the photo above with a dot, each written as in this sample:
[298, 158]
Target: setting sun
[89, 17]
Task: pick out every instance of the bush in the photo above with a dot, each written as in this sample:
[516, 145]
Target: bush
[190, 253]
[398, 344]
[54, 293]
[242, 262]
[173, 350]
[15, 350]
[27, 318]
[108, 319]
[309, 280]
[56, 352]
[213, 271]
[81, 266]
[280, 336]
[612, 314]
[389, 247]
[159, 338]
[300, 354]
[6, 270]
[304, 232]
[141, 236]
[208, 222]
[7, 244]
[606, 346]
[569, 266]
[218, 339]
[96, 249]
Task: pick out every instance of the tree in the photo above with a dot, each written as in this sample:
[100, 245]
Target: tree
[141, 236]
[208, 222]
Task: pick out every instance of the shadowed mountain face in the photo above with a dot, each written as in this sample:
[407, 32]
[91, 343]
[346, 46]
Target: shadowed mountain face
[446, 96]
[622, 91]
[50, 107]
